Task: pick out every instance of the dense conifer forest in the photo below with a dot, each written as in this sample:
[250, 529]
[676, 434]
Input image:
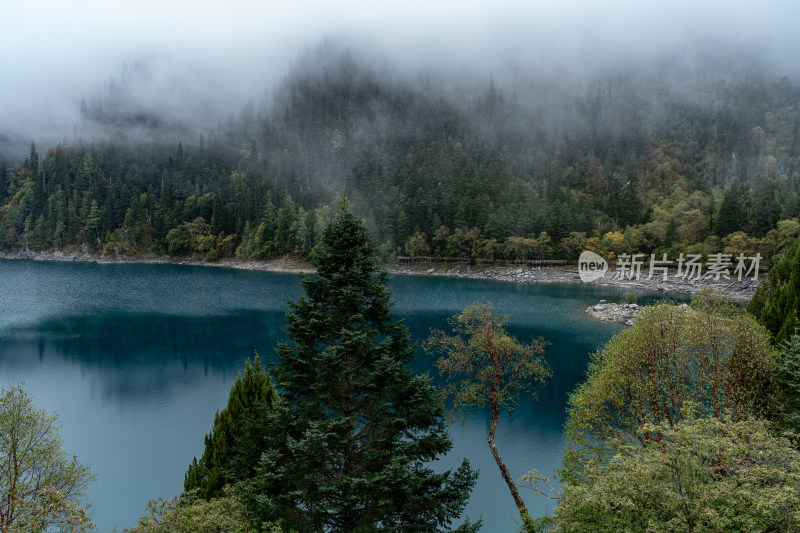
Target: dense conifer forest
[623, 162]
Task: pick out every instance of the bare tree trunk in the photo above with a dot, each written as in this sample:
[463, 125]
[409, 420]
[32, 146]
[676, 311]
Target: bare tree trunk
[523, 511]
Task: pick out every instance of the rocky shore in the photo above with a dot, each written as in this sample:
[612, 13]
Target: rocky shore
[735, 290]
[611, 312]
[278, 265]
[731, 288]
[618, 313]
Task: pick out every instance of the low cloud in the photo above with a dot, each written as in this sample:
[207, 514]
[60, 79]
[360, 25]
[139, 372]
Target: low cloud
[206, 60]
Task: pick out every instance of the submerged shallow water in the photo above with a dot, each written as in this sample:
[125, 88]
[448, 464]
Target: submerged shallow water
[136, 359]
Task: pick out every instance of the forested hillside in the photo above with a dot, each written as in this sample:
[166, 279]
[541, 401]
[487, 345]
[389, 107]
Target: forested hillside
[624, 163]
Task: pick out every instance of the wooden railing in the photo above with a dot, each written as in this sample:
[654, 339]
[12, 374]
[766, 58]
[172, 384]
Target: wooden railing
[406, 260]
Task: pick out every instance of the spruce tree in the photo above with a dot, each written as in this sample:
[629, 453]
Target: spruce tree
[228, 456]
[787, 385]
[731, 212]
[776, 303]
[346, 445]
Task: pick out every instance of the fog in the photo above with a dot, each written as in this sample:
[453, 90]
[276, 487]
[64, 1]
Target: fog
[199, 62]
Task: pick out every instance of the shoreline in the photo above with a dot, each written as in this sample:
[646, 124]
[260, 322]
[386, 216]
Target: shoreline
[276, 265]
[740, 291]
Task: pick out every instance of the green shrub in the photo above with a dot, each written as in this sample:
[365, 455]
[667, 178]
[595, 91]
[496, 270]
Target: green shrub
[629, 297]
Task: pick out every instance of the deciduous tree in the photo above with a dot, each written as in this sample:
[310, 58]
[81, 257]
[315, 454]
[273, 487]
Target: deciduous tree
[41, 488]
[489, 368]
[710, 355]
[189, 513]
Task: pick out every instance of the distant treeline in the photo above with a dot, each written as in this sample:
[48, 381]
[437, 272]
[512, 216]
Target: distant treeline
[626, 166]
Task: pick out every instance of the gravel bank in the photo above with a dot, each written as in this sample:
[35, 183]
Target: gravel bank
[731, 289]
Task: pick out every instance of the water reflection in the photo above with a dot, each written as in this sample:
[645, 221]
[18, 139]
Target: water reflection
[135, 356]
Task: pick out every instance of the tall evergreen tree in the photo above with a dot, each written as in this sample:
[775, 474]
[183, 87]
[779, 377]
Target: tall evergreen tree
[32, 163]
[766, 210]
[787, 384]
[731, 212]
[776, 303]
[346, 445]
[228, 456]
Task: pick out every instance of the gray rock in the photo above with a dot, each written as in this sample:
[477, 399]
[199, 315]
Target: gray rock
[611, 312]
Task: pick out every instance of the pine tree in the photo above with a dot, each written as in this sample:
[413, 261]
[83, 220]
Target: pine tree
[346, 444]
[227, 457]
[265, 232]
[672, 233]
[776, 303]
[787, 384]
[32, 163]
[731, 212]
[766, 210]
[284, 222]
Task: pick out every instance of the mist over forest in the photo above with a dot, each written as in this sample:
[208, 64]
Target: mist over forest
[202, 64]
[474, 132]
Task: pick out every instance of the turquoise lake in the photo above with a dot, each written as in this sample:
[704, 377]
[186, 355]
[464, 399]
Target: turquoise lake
[136, 359]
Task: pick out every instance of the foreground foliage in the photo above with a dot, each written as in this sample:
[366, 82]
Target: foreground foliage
[776, 303]
[710, 356]
[190, 513]
[346, 444]
[41, 488]
[489, 368]
[704, 474]
[787, 384]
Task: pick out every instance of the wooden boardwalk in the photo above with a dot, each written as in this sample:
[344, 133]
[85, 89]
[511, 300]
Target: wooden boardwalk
[406, 260]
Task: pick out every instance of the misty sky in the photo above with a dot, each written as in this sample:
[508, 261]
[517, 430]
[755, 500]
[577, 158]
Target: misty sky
[52, 53]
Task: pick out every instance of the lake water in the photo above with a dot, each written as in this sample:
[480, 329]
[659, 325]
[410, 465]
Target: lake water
[136, 359]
